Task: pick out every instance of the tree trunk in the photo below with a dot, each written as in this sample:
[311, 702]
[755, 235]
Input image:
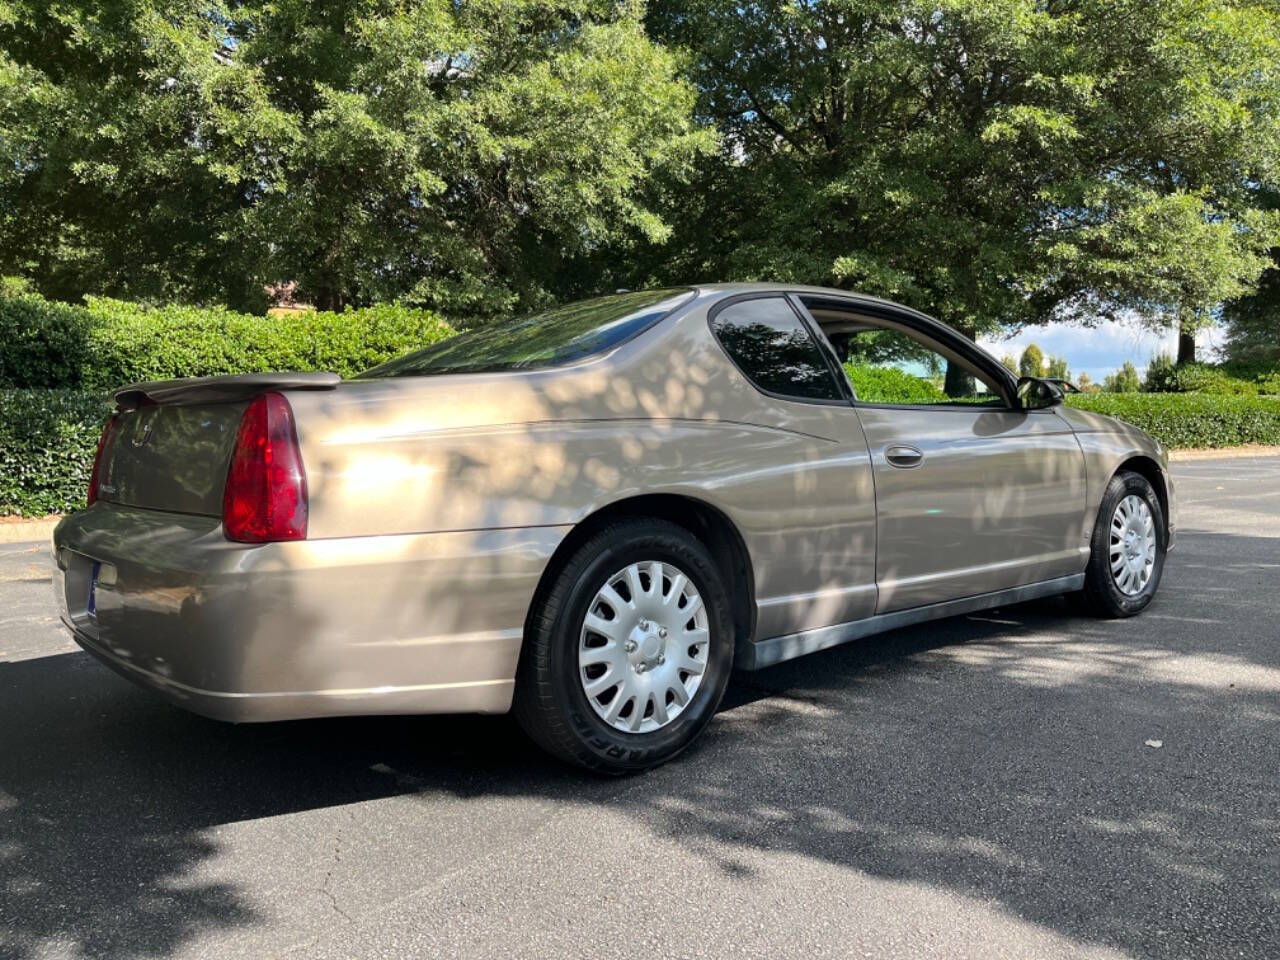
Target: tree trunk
[1186, 346]
[328, 299]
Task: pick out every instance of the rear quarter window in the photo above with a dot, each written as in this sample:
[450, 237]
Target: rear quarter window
[767, 341]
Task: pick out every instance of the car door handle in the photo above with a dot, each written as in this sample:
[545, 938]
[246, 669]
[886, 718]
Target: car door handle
[903, 455]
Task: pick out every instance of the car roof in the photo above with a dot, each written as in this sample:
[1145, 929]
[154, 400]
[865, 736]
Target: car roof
[721, 290]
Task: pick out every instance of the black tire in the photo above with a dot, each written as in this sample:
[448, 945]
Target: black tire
[550, 703]
[1101, 595]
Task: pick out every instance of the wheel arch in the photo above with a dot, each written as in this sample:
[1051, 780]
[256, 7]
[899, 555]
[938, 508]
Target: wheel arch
[1149, 469]
[704, 521]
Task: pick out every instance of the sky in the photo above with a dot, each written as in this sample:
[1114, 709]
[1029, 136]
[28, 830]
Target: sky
[1102, 349]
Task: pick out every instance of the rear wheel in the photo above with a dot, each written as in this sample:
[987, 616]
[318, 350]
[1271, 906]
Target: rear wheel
[628, 653]
[1128, 548]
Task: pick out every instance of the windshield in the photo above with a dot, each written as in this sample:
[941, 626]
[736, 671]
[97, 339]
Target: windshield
[550, 338]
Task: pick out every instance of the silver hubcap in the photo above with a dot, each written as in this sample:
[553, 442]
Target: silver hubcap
[1133, 545]
[643, 648]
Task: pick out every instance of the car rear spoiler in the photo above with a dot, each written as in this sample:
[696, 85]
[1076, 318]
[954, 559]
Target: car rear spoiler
[219, 389]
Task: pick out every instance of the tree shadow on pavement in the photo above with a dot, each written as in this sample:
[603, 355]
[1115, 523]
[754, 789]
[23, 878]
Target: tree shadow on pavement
[1002, 756]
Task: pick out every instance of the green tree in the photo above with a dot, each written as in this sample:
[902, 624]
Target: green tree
[1174, 259]
[467, 156]
[1057, 368]
[1162, 375]
[994, 162]
[1031, 363]
[1010, 363]
[127, 147]
[1253, 322]
[1124, 380]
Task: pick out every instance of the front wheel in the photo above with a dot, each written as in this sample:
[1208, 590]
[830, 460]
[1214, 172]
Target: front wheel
[628, 654]
[1127, 550]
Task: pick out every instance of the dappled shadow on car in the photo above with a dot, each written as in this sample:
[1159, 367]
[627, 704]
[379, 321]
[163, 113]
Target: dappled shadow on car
[1001, 756]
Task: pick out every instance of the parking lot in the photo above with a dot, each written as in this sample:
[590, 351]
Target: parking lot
[1020, 783]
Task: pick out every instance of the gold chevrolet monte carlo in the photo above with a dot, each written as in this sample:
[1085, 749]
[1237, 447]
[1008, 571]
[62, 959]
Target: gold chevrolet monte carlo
[591, 515]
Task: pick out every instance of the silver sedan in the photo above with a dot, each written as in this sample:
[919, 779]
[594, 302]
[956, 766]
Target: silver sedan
[591, 515]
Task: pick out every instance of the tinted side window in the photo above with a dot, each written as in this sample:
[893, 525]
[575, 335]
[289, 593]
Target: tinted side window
[770, 345]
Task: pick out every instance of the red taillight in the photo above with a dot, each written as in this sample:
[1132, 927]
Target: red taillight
[266, 494]
[94, 477]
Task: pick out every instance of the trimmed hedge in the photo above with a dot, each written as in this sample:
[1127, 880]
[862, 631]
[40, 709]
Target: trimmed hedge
[108, 343]
[47, 441]
[1191, 419]
[876, 384]
[1164, 376]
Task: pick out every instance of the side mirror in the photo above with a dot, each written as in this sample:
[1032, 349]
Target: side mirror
[1037, 394]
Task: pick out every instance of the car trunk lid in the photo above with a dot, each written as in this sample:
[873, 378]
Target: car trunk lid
[173, 440]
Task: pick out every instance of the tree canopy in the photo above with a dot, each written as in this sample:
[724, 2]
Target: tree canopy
[1124, 380]
[996, 163]
[1253, 321]
[458, 154]
[1031, 363]
[990, 161]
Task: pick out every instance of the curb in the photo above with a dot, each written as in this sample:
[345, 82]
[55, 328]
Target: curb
[1247, 452]
[23, 530]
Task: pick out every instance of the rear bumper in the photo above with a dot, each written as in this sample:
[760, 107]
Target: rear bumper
[423, 623]
[475, 696]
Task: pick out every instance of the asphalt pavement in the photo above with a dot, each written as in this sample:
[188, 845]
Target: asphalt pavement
[1018, 783]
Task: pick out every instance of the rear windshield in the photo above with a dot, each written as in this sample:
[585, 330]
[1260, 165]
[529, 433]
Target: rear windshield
[550, 338]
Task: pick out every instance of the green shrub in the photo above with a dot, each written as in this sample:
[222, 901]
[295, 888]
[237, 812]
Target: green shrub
[1163, 376]
[15, 287]
[1202, 378]
[108, 343]
[1265, 377]
[1226, 379]
[876, 384]
[47, 441]
[1269, 384]
[1124, 380]
[1191, 420]
[42, 343]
